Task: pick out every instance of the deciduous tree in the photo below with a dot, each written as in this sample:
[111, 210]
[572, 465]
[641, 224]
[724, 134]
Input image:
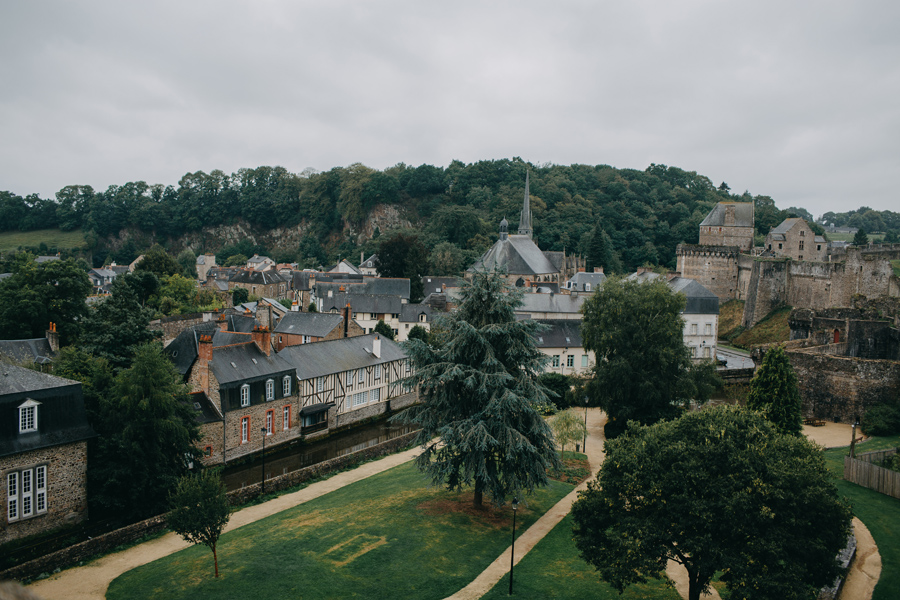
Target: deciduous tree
[775, 393]
[568, 428]
[635, 330]
[384, 329]
[200, 510]
[718, 490]
[480, 427]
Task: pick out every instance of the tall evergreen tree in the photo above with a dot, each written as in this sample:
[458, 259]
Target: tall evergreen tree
[774, 392]
[480, 427]
[860, 238]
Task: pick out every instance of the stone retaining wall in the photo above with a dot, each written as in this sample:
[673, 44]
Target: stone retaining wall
[126, 535]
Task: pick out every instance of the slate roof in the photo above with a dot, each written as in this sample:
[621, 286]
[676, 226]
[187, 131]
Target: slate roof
[205, 411]
[336, 356]
[256, 259]
[184, 349]
[276, 304]
[257, 277]
[556, 258]
[409, 313]
[785, 225]
[245, 363]
[367, 303]
[434, 285]
[385, 286]
[306, 323]
[743, 214]
[517, 255]
[551, 303]
[61, 416]
[578, 281]
[35, 350]
[562, 333]
[300, 280]
[344, 267]
[700, 300]
[43, 259]
[369, 263]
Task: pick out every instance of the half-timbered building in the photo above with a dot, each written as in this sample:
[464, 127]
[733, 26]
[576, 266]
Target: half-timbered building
[347, 380]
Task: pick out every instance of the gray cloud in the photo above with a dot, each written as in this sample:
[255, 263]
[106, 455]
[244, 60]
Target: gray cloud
[793, 100]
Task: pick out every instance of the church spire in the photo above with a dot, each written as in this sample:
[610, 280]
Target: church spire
[525, 219]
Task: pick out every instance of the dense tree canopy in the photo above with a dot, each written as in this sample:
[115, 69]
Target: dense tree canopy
[480, 425]
[403, 255]
[643, 367]
[718, 490]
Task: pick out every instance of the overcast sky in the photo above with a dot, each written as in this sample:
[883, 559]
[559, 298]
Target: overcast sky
[796, 100]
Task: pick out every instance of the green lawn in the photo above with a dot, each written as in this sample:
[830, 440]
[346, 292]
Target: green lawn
[54, 238]
[880, 513]
[553, 569]
[390, 536]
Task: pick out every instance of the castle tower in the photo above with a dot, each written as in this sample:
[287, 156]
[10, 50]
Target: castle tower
[525, 219]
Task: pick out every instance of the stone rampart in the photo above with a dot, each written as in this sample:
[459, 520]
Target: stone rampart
[716, 267]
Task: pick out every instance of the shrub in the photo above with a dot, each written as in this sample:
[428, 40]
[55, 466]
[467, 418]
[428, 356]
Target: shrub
[883, 420]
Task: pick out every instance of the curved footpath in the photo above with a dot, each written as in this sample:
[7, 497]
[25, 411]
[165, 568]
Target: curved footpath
[91, 581]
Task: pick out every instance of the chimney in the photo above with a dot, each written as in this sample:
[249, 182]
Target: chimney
[729, 215]
[204, 355]
[598, 270]
[362, 257]
[263, 339]
[53, 337]
[346, 312]
[581, 269]
[221, 323]
[376, 346]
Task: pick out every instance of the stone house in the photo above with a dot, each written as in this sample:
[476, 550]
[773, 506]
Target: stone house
[410, 316]
[205, 262]
[43, 452]
[585, 282]
[552, 306]
[562, 343]
[260, 263]
[794, 239]
[260, 283]
[367, 266]
[297, 328]
[344, 381]
[729, 224]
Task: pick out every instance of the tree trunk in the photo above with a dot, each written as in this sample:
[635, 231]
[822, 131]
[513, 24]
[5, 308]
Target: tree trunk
[215, 559]
[478, 501]
[694, 586]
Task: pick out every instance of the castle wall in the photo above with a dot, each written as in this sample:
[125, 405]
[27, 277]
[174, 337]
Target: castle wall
[742, 237]
[715, 267]
[767, 289]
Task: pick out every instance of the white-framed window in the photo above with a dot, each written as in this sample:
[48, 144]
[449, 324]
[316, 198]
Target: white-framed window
[245, 395]
[361, 375]
[693, 351]
[350, 377]
[286, 386]
[584, 360]
[377, 371]
[286, 418]
[693, 329]
[360, 398]
[706, 352]
[376, 395]
[305, 339]
[270, 389]
[408, 367]
[245, 430]
[570, 360]
[28, 416]
[587, 287]
[320, 384]
[270, 422]
[707, 329]
[556, 361]
[26, 493]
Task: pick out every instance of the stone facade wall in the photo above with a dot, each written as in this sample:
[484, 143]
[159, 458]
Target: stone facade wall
[843, 387]
[742, 237]
[174, 325]
[66, 489]
[715, 267]
[257, 413]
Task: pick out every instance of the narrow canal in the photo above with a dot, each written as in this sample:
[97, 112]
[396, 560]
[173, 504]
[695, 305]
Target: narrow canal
[305, 454]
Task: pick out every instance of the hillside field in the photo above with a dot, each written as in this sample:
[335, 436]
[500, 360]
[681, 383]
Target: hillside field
[53, 238]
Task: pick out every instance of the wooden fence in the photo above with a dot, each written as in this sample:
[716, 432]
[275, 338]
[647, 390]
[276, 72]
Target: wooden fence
[864, 471]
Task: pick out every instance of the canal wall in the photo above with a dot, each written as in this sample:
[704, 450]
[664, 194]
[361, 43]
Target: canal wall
[108, 542]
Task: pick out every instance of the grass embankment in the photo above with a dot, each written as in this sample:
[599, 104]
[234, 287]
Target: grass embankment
[730, 315]
[390, 536]
[53, 238]
[880, 513]
[771, 329]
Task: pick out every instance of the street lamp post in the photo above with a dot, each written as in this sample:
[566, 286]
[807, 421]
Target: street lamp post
[512, 553]
[264, 432]
[584, 441]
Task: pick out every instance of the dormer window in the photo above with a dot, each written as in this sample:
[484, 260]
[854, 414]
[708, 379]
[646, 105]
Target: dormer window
[286, 385]
[245, 395]
[28, 416]
[270, 389]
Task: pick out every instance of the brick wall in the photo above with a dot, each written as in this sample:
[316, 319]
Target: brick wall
[66, 489]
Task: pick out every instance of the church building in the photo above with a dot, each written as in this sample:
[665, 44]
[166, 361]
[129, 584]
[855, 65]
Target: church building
[519, 257]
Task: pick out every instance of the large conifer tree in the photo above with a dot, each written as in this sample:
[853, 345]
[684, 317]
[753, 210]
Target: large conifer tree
[479, 387]
[774, 391]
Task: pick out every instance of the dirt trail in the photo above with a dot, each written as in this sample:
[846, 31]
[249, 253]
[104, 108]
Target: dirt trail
[91, 581]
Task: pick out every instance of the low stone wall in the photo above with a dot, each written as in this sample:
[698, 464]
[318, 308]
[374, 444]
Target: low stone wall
[126, 535]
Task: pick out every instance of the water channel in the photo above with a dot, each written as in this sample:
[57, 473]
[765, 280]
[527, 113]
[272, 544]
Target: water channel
[302, 454]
